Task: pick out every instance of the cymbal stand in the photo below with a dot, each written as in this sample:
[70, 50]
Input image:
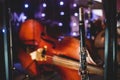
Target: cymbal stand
[83, 54]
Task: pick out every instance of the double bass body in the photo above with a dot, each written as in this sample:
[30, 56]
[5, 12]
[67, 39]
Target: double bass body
[31, 34]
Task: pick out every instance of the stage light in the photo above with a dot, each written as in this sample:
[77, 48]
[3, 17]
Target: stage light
[74, 5]
[88, 35]
[86, 21]
[98, 0]
[61, 38]
[98, 12]
[62, 13]
[44, 5]
[43, 14]
[24, 17]
[60, 24]
[26, 5]
[74, 24]
[61, 3]
[3, 30]
[75, 14]
[74, 34]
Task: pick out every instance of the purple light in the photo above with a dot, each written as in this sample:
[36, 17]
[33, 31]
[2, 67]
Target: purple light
[74, 24]
[74, 5]
[60, 24]
[26, 5]
[76, 14]
[61, 3]
[44, 5]
[59, 39]
[62, 13]
[74, 34]
[19, 18]
[24, 17]
[43, 15]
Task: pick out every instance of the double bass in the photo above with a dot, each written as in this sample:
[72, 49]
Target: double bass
[39, 49]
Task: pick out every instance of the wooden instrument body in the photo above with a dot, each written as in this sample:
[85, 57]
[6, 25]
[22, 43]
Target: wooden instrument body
[31, 34]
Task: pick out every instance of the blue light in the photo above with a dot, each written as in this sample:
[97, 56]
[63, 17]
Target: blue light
[61, 3]
[3, 30]
[88, 35]
[44, 5]
[62, 13]
[26, 5]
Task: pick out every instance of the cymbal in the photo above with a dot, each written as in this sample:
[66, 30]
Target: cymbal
[84, 3]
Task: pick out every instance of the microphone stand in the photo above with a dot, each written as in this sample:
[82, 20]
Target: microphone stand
[10, 43]
[12, 68]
